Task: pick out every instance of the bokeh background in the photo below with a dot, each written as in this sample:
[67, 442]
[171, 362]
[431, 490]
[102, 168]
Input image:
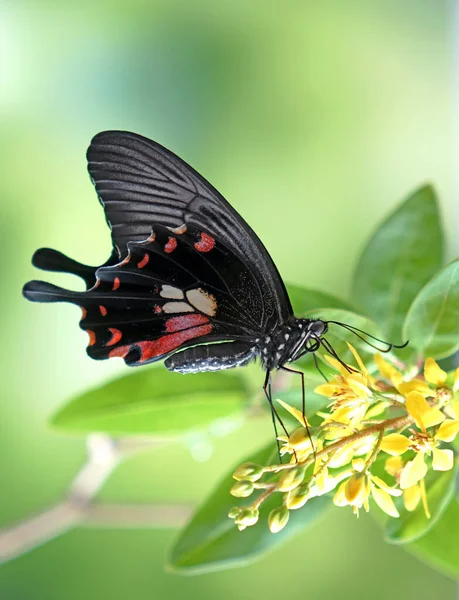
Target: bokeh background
[314, 119]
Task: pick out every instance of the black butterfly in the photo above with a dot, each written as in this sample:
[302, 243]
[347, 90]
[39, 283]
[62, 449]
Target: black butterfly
[188, 280]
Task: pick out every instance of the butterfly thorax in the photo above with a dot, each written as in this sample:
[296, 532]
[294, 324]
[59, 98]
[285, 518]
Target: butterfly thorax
[290, 340]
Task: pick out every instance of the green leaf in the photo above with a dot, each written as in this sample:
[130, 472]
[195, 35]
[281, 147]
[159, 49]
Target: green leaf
[154, 401]
[440, 548]
[432, 323]
[303, 300]
[212, 542]
[412, 525]
[337, 336]
[402, 255]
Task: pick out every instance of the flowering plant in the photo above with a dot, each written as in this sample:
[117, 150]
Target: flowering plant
[339, 454]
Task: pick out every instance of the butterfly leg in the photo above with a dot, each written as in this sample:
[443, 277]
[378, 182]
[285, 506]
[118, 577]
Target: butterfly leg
[274, 413]
[267, 391]
[316, 362]
[303, 403]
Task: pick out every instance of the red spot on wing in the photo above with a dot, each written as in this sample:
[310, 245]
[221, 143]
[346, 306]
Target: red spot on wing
[170, 342]
[120, 352]
[84, 312]
[116, 283]
[164, 345]
[92, 337]
[158, 309]
[103, 310]
[171, 245]
[144, 261]
[184, 322]
[116, 336]
[205, 244]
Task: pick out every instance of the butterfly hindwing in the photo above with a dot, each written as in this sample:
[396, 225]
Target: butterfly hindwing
[174, 290]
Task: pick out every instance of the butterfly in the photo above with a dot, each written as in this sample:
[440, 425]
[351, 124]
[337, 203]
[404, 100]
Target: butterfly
[187, 281]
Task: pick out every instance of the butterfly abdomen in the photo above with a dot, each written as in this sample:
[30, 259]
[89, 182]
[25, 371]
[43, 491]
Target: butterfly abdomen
[211, 357]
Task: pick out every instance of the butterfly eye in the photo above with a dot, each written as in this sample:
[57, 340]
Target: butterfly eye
[317, 328]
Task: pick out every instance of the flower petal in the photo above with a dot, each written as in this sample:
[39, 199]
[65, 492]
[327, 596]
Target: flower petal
[336, 365]
[413, 471]
[393, 465]
[358, 360]
[358, 464]
[415, 385]
[385, 502]
[357, 385]
[423, 414]
[339, 499]
[376, 409]
[433, 373]
[456, 380]
[294, 412]
[442, 460]
[387, 370]
[384, 486]
[326, 389]
[447, 431]
[411, 497]
[395, 444]
[357, 489]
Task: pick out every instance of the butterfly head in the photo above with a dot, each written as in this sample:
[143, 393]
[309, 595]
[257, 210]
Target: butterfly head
[310, 337]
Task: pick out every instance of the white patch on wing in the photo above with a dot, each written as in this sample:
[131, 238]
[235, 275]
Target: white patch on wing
[169, 291]
[177, 307]
[203, 301]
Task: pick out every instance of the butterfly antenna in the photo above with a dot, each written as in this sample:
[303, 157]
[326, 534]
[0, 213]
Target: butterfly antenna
[356, 331]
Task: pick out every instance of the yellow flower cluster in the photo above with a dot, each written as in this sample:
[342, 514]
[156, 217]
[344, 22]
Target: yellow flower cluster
[401, 421]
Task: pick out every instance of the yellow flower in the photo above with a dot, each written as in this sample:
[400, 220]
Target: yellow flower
[357, 489]
[411, 495]
[442, 458]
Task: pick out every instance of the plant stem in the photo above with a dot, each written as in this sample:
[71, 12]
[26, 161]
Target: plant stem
[378, 429]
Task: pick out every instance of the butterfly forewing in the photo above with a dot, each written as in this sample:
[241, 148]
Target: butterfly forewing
[140, 184]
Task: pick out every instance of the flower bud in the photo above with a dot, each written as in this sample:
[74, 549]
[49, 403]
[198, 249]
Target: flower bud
[298, 497]
[278, 519]
[233, 513]
[242, 489]
[249, 471]
[291, 479]
[247, 517]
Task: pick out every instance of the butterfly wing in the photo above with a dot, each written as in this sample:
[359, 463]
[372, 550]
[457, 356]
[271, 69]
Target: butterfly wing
[140, 184]
[171, 291]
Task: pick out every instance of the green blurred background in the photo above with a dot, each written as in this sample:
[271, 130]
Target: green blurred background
[314, 119]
